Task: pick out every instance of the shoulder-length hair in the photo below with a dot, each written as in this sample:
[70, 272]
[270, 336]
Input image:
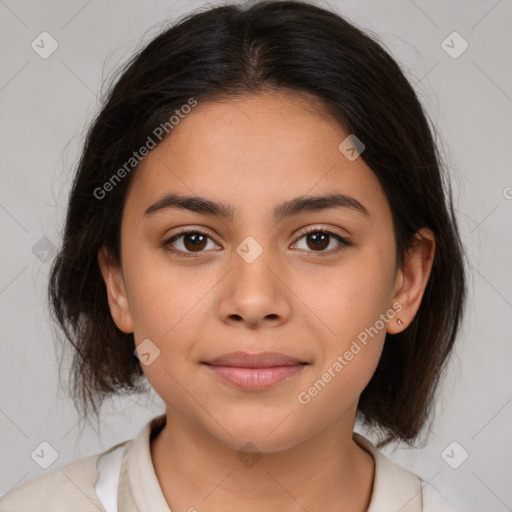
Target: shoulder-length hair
[234, 50]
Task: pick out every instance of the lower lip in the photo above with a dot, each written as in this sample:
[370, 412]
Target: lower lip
[255, 378]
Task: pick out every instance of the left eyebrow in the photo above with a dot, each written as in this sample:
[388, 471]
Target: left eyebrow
[289, 208]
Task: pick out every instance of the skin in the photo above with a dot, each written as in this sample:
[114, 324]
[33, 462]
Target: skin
[253, 153]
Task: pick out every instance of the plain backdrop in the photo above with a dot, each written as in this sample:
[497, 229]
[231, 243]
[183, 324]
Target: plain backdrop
[46, 105]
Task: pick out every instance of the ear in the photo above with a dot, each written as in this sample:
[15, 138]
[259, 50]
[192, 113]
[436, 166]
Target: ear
[412, 279]
[116, 291]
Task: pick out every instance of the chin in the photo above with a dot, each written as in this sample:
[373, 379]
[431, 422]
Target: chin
[269, 434]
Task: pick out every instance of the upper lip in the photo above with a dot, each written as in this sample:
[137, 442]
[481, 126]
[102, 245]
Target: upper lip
[260, 360]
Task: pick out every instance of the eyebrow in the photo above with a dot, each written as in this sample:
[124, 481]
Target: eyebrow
[289, 208]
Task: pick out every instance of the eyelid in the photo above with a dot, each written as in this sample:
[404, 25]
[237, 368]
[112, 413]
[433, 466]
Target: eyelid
[343, 241]
[319, 227]
[194, 229]
[189, 229]
[205, 231]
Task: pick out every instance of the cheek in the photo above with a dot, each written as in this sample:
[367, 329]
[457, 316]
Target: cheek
[166, 307]
[354, 304]
[162, 293]
[352, 307]
[337, 387]
[168, 304]
[356, 293]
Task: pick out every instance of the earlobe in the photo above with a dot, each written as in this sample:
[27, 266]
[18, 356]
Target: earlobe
[116, 291]
[412, 279]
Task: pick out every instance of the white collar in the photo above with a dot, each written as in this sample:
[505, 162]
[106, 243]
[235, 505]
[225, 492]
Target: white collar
[394, 488]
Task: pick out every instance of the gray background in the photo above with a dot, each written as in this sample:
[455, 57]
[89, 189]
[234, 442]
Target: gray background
[45, 106]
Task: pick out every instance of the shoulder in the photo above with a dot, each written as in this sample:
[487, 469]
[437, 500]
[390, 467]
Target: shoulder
[68, 489]
[396, 488]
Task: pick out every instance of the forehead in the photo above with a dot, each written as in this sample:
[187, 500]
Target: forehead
[253, 153]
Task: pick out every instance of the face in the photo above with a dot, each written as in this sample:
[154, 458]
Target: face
[306, 283]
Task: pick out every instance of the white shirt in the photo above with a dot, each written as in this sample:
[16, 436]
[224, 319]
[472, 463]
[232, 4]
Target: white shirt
[123, 479]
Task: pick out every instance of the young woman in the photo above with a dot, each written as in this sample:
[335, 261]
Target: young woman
[260, 226]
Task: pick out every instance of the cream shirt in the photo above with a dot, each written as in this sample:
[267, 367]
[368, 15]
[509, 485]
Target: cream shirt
[123, 479]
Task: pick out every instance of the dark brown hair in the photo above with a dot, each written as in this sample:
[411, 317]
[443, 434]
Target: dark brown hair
[234, 50]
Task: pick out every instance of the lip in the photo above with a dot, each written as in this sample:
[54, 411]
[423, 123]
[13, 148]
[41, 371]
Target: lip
[260, 360]
[255, 371]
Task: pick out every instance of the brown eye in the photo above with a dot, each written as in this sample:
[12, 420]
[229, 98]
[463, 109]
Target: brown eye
[194, 241]
[318, 240]
[188, 242]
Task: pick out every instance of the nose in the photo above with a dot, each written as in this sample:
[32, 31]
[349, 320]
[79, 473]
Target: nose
[254, 294]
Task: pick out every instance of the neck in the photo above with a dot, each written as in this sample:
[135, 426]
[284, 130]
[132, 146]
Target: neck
[327, 471]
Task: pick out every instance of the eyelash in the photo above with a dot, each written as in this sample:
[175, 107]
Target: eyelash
[343, 242]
